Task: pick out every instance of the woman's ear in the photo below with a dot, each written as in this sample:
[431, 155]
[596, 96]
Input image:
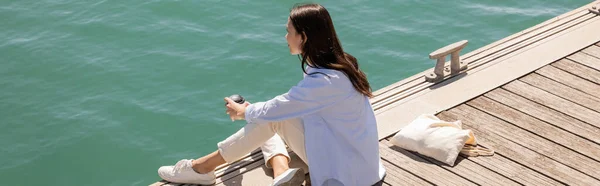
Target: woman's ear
[304, 38]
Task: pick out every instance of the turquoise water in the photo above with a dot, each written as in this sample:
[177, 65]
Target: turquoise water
[105, 92]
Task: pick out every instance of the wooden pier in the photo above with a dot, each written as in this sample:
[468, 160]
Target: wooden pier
[533, 98]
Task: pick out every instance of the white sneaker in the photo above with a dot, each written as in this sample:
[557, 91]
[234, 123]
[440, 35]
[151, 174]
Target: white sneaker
[182, 172]
[291, 177]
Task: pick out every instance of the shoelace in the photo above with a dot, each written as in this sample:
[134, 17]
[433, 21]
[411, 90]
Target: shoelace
[181, 165]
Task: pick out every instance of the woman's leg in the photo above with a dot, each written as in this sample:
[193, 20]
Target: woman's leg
[253, 136]
[208, 163]
[274, 152]
[236, 146]
[280, 164]
[292, 132]
[276, 155]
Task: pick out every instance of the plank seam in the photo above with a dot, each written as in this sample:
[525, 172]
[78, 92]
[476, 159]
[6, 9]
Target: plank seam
[558, 126]
[564, 83]
[223, 170]
[428, 159]
[517, 162]
[549, 107]
[394, 174]
[583, 51]
[405, 170]
[499, 153]
[579, 63]
[493, 169]
[567, 99]
[557, 161]
[548, 139]
[567, 58]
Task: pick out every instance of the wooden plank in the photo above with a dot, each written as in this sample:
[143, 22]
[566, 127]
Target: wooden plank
[392, 118]
[572, 150]
[466, 168]
[415, 79]
[485, 128]
[237, 178]
[539, 137]
[513, 170]
[409, 89]
[391, 177]
[592, 51]
[419, 166]
[257, 173]
[578, 69]
[397, 176]
[554, 102]
[546, 114]
[249, 155]
[570, 80]
[562, 91]
[586, 60]
[238, 164]
[159, 183]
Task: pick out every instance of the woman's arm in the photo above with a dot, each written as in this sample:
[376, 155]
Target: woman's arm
[312, 94]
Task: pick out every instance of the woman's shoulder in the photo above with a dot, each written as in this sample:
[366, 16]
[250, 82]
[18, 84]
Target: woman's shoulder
[327, 76]
[312, 71]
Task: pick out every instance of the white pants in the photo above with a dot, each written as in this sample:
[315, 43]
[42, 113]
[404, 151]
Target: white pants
[269, 137]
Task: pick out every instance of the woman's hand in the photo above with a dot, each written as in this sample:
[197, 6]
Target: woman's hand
[235, 110]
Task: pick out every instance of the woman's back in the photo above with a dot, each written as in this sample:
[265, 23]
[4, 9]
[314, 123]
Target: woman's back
[341, 138]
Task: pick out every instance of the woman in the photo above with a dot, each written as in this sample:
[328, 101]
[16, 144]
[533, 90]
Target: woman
[326, 118]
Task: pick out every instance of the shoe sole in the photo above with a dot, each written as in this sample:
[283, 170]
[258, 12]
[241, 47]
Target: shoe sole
[296, 180]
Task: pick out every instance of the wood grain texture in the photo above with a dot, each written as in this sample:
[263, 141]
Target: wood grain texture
[397, 176]
[470, 170]
[542, 137]
[563, 91]
[593, 50]
[578, 69]
[486, 129]
[565, 106]
[419, 166]
[586, 60]
[544, 113]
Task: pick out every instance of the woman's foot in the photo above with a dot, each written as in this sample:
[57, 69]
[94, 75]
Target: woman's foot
[183, 172]
[291, 177]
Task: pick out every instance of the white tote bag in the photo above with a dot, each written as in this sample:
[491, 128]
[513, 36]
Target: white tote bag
[438, 139]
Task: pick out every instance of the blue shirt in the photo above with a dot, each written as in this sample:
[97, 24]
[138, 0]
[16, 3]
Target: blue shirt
[340, 128]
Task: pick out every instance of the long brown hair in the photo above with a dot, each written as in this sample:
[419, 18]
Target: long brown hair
[322, 49]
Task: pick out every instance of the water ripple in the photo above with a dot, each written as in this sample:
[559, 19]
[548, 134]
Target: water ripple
[504, 10]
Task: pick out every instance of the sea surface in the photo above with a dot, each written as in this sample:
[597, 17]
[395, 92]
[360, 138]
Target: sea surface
[105, 92]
